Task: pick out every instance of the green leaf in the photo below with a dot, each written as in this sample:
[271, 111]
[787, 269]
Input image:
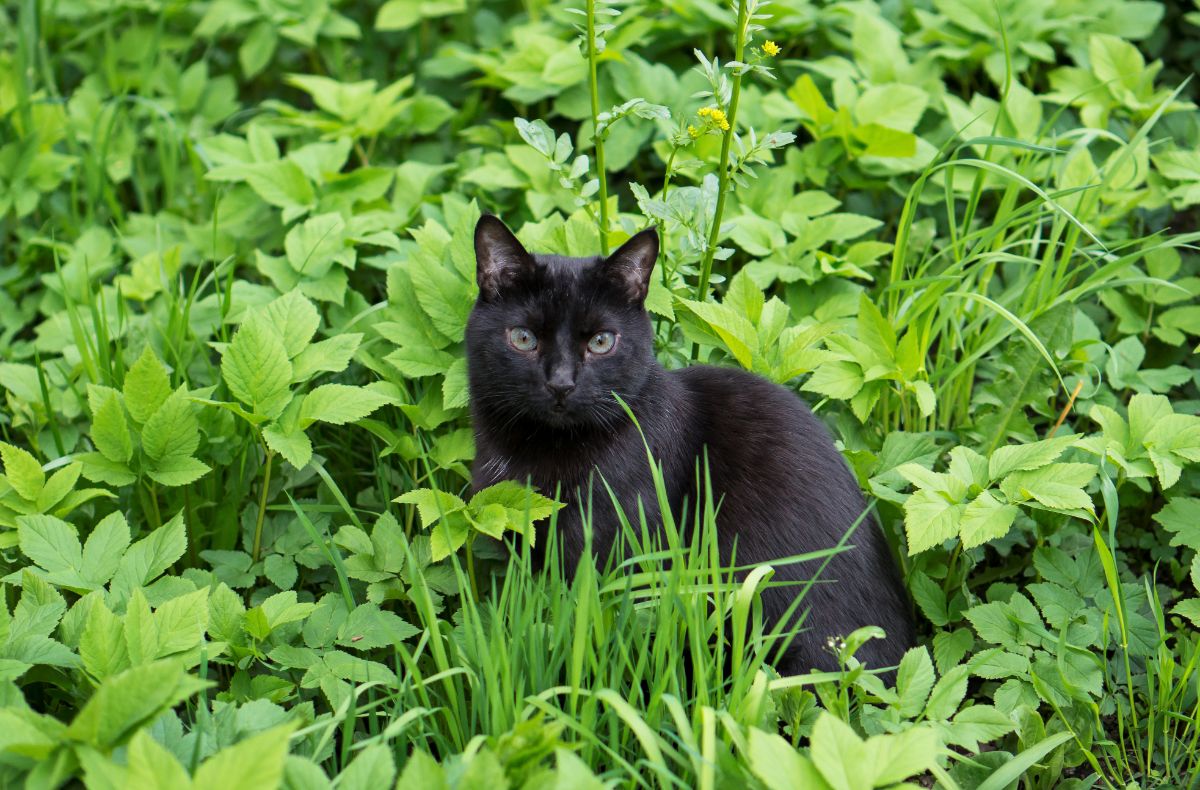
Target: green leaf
[58, 486]
[369, 627]
[1022, 457]
[339, 404]
[914, 679]
[104, 548]
[102, 644]
[1181, 517]
[151, 555]
[948, 693]
[130, 700]
[780, 767]
[431, 504]
[314, 246]
[930, 519]
[51, 543]
[281, 183]
[256, 368]
[255, 763]
[181, 623]
[172, 431]
[110, 434]
[295, 319]
[331, 356]
[372, 768]
[840, 755]
[985, 519]
[146, 386]
[294, 446]
[898, 757]
[840, 379]
[175, 470]
[23, 471]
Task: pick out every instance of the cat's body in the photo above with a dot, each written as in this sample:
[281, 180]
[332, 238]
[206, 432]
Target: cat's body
[546, 414]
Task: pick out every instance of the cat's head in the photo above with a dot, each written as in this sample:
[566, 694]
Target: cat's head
[551, 338]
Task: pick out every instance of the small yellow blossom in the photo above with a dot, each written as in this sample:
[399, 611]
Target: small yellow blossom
[771, 49]
[693, 132]
[704, 112]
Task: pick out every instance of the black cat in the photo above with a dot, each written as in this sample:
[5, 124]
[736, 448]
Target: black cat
[550, 340]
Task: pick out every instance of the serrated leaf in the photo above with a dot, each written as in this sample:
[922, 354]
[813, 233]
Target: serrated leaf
[914, 679]
[146, 386]
[51, 543]
[985, 519]
[23, 471]
[252, 764]
[294, 318]
[294, 446]
[172, 431]
[1020, 457]
[177, 470]
[104, 548]
[256, 368]
[339, 404]
[930, 519]
[330, 356]
[110, 434]
[129, 700]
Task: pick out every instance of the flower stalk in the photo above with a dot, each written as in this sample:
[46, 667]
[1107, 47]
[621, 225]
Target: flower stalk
[597, 138]
[714, 235]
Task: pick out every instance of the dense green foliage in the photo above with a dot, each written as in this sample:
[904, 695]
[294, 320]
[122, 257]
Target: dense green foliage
[237, 540]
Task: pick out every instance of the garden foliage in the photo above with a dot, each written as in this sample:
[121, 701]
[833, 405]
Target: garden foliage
[237, 542]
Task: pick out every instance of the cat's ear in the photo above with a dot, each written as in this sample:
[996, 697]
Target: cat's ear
[499, 258]
[631, 265]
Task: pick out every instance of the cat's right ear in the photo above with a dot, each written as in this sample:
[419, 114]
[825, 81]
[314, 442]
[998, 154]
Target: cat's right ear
[500, 259]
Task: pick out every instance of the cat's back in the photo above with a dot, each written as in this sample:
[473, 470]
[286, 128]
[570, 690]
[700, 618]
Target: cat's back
[762, 439]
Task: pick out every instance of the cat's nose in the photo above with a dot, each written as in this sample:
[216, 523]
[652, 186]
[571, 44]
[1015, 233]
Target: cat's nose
[560, 389]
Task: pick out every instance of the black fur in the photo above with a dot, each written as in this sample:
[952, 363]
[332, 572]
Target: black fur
[784, 488]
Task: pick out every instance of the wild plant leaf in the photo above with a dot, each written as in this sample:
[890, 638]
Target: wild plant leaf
[339, 404]
[130, 699]
[294, 446]
[295, 320]
[1181, 517]
[22, 471]
[146, 386]
[110, 433]
[254, 763]
[257, 369]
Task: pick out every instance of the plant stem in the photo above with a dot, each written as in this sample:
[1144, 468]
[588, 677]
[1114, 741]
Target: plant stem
[262, 506]
[597, 140]
[723, 171]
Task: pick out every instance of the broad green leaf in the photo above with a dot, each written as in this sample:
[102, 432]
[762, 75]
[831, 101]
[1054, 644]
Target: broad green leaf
[181, 622]
[51, 543]
[838, 379]
[172, 431]
[840, 755]
[256, 368]
[295, 319]
[331, 356]
[150, 556]
[294, 446]
[110, 433]
[176, 470]
[431, 504]
[914, 679]
[104, 548]
[58, 486]
[1021, 457]
[339, 404]
[947, 693]
[930, 519]
[368, 627]
[23, 471]
[281, 183]
[372, 768]
[779, 765]
[902, 755]
[1181, 517]
[985, 519]
[252, 764]
[152, 766]
[102, 646]
[129, 700]
[146, 386]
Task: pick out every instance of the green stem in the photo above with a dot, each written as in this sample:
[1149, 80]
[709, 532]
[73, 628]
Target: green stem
[471, 569]
[597, 139]
[262, 506]
[723, 173]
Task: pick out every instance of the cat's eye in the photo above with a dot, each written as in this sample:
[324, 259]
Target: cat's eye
[602, 342]
[522, 339]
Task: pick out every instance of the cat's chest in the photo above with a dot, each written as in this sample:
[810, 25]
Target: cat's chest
[564, 469]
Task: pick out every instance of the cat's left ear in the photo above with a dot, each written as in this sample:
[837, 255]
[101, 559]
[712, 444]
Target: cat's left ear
[631, 265]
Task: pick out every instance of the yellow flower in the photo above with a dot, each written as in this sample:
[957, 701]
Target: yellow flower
[724, 125]
[693, 132]
[771, 49]
[706, 111]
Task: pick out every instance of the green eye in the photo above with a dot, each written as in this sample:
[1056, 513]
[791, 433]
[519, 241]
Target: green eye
[602, 342]
[522, 339]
